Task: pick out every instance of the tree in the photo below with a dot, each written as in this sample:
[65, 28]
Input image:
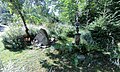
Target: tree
[15, 6]
[67, 10]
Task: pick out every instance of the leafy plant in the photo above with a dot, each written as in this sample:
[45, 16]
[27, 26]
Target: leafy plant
[61, 32]
[15, 38]
[16, 7]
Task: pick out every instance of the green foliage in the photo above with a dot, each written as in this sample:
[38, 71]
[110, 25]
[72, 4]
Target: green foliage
[32, 12]
[14, 38]
[105, 30]
[101, 18]
[5, 18]
[68, 10]
[61, 32]
[14, 5]
[86, 40]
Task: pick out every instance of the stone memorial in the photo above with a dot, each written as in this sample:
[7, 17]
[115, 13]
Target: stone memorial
[41, 39]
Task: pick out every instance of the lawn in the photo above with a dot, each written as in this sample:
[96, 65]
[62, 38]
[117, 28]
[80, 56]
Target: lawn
[50, 60]
[28, 59]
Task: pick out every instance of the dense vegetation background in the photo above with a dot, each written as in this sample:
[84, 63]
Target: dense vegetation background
[99, 48]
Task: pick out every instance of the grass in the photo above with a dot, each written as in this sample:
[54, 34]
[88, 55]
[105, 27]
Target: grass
[52, 60]
[27, 58]
[1, 45]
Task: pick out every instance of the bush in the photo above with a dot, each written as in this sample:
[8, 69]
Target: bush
[61, 31]
[104, 33]
[5, 18]
[14, 37]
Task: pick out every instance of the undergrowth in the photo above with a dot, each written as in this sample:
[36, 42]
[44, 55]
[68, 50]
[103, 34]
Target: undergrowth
[15, 38]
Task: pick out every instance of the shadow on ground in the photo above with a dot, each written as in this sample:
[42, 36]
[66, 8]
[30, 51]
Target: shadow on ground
[65, 62]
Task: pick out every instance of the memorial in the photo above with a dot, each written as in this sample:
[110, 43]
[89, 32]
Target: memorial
[41, 39]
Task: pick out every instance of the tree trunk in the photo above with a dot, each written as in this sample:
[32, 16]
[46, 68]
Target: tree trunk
[23, 19]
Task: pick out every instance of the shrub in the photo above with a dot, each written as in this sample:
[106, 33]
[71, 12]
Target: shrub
[105, 34]
[14, 37]
[61, 31]
[5, 18]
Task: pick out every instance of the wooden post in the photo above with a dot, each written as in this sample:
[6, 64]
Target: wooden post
[77, 38]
